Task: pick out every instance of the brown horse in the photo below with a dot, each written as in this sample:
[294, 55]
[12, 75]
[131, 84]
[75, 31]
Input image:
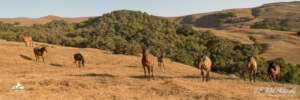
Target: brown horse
[250, 68]
[148, 63]
[274, 71]
[39, 52]
[27, 40]
[204, 64]
[79, 58]
[161, 62]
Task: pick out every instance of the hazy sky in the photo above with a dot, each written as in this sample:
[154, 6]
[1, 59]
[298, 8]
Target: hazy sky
[78, 8]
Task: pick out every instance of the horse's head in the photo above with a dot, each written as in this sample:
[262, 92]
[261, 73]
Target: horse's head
[201, 60]
[43, 49]
[145, 49]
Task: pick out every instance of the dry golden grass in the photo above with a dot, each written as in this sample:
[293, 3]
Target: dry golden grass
[30, 21]
[108, 76]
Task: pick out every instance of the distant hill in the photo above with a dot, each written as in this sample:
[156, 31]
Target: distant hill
[24, 21]
[273, 24]
[286, 14]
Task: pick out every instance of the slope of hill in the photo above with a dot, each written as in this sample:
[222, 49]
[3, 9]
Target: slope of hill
[234, 24]
[23, 21]
[110, 76]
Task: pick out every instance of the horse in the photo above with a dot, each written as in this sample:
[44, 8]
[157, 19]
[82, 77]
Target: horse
[27, 39]
[161, 62]
[148, 63]
[79, 58]
[250, 67]
[204, 64]
[274, 71]
[39, 52]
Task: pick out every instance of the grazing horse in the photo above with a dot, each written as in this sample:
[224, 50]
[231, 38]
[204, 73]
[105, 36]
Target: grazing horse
[161, 62]
[274, 71]
[250, 68]
[204, 64]
[79, 58]
[27, 40]
[39, 52]
[148, 63]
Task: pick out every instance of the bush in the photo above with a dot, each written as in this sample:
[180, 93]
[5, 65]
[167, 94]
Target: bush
[270, 24]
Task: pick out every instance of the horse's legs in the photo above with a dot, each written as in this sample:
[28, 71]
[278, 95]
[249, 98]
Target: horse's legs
[202, 74]
[207, 76]
[82, 63]
[250, 77]
[152, 72]
[163, 64]
[254, 76]
[149, 75]
[36, 58]
[145, 71]
[43, 59]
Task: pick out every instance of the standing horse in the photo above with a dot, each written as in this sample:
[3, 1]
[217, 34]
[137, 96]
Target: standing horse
[39, 52]
[250, 68]
[27, 40]
[148, 63]
[79, 58]
[274, 71]
[204, 64]
[161, 62]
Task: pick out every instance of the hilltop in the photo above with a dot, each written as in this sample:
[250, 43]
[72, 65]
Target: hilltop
[113, 76]
[24, 21]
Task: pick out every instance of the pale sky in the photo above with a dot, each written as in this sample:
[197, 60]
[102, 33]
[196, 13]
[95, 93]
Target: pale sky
[84, 8]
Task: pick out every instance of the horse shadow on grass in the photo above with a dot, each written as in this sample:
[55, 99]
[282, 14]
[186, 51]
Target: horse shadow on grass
[211, 77]
[94, 75]
[25, 57]
[155, 76]
[56, 65]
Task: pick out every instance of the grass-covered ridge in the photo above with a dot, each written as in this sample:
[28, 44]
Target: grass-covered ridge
[124, 32]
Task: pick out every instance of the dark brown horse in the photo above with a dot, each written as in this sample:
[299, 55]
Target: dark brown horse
[79, 60]
[148, 63]
[161, 62]
[250, 67]
[39, 52]
[274, 71]
[204, 64]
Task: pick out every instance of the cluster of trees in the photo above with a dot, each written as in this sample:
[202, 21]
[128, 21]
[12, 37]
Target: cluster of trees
[271, 24]
[125, 32]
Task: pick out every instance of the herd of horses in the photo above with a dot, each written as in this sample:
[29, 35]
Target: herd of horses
[204, 63]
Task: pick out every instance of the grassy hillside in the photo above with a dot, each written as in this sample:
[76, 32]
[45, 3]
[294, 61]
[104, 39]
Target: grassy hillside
[276, 16]
[23, 21]
[274, 25]
[125, 32]
[108, 76]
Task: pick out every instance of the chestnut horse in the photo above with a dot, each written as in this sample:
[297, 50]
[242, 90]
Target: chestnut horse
[39, 52]
[79, 58]
[204, 64]
[250, 67]
[148, 63]
[27, 40]
[161, 62]
[274, 71]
